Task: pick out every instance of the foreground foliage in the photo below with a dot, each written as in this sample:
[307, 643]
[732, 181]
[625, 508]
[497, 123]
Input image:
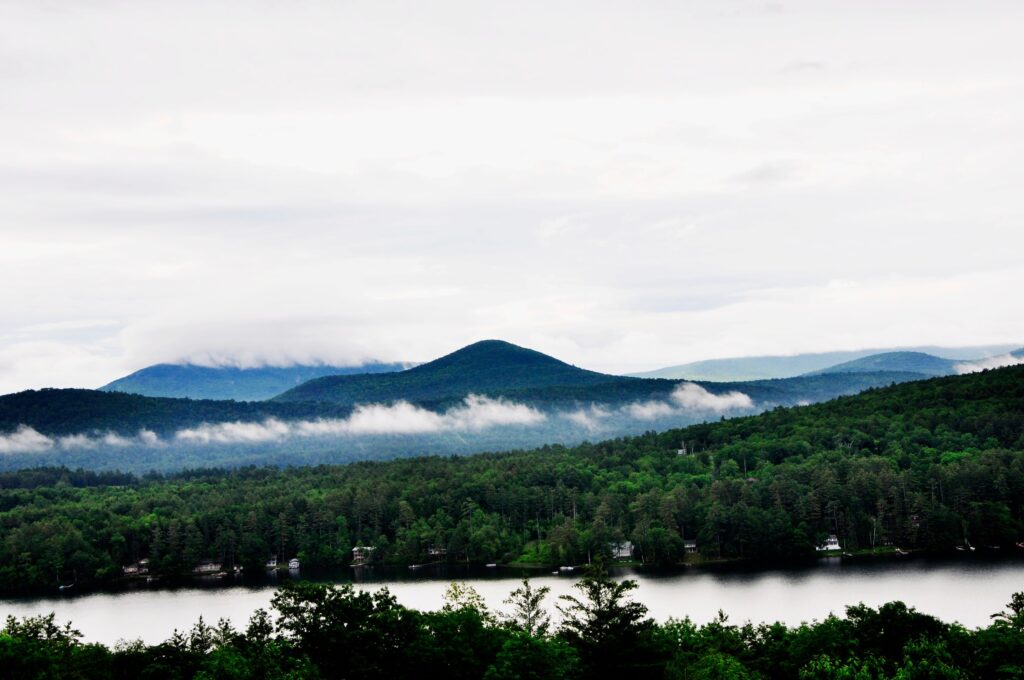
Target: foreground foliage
[338, 632]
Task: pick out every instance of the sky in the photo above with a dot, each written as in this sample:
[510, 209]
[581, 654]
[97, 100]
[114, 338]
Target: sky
[622, 185]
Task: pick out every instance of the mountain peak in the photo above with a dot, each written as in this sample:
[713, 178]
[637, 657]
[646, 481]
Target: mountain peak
[484, 367]
[497, 351]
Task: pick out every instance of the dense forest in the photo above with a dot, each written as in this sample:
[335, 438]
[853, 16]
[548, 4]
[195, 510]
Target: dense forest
[337, 632]
[928, 465]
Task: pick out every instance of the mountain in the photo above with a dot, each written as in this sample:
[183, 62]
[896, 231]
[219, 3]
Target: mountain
[70, 412]
[311, 424]
[775, 366]
[910, 362]
[486, 367]
[229, 382]
[500, 369]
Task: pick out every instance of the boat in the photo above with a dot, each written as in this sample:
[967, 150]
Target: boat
[491, 565]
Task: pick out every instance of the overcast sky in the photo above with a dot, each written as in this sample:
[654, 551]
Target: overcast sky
[623, 185]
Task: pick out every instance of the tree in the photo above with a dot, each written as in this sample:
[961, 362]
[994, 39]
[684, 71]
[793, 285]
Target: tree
[527, 613]
[609, 632]
[526, 657]
[348, 633]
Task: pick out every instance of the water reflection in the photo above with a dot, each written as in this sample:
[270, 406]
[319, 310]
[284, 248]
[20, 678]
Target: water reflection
[968, 591]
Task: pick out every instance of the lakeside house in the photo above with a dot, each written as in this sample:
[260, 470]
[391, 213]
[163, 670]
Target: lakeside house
[139, 568]
[361, 554]
[434, 551]
[271, 563]
[622, 551]
[689, 546]
[293, 564]
[207, 567]
[831, 543]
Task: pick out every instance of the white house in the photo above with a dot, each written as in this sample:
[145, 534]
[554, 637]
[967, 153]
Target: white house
[136, 568]
[622, 551]
[207, 567]
[293, 563]
[831, 543]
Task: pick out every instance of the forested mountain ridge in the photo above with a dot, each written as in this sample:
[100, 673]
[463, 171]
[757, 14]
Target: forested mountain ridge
[770, 393]
[62, 412]
[499, 369]
[191, 381]
[921, 465]
[483, 367]
[67, 412]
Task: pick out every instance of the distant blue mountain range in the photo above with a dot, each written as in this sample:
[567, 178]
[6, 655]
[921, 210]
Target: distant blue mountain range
[913, 362]
[769, 366]
[229, 382]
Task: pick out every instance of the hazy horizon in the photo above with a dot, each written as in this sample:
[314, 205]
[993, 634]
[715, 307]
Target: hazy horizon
[622, 187]
[961, 353]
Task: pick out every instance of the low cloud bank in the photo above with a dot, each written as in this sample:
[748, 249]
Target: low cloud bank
[474, 414]
[686, 398]
[689, 397]
[29, 440]
[590, 418]
[692, 396]
[990, 362]
[24, 440]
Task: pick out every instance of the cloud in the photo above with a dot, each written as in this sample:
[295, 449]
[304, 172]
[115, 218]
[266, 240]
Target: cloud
[692, 396]
[990, 362]
[24, 440]
[649, 410]
[235, 433]
[29, 440]
[476, 413]
[75, 441]
[152, 204]
[590, 418]
[688, 397]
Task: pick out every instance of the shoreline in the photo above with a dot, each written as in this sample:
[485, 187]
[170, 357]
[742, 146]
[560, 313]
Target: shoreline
[387, 573]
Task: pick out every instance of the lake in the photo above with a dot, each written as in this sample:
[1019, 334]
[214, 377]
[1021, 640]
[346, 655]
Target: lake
[967, 590]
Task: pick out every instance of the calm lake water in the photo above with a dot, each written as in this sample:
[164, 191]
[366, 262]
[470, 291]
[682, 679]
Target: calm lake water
[968, 591]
